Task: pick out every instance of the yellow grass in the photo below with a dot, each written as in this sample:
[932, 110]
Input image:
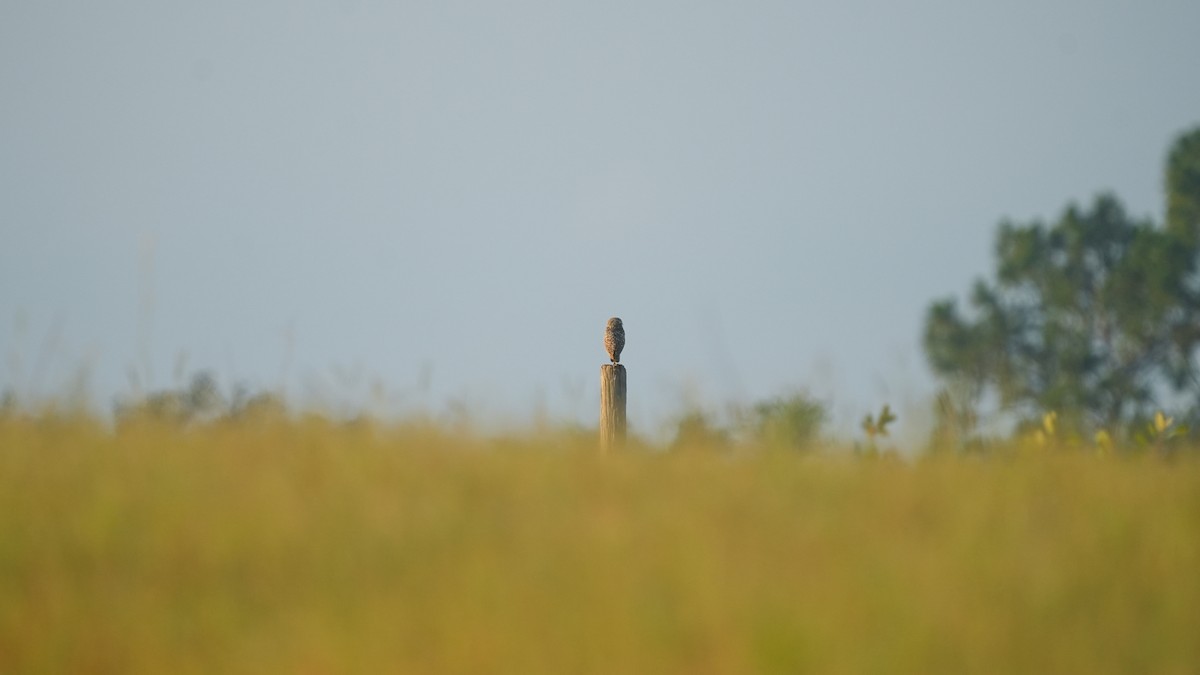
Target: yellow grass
[308, 547]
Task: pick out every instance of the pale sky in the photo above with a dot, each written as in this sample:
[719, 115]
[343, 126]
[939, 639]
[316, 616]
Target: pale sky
[435, 206]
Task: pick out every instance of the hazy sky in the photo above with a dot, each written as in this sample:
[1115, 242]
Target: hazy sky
[444, 201]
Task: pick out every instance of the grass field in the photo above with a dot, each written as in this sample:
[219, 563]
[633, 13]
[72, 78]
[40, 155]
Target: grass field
[311, 547]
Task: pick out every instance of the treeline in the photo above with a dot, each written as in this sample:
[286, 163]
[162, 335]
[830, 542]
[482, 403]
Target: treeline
[793, 422]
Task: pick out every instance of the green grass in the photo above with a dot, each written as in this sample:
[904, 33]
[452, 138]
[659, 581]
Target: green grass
[308, 547]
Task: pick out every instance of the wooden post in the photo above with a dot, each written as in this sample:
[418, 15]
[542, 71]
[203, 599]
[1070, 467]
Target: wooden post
[612, 406]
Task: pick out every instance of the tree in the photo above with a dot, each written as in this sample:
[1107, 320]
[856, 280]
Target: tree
[1095, 316]
[1183, 185]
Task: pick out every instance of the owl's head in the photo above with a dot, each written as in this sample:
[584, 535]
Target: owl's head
[614, 322]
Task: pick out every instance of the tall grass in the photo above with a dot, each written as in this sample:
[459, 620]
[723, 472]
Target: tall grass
[307, 546]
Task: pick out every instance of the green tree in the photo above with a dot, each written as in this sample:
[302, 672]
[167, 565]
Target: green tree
[1183, 185]
[1093, 316]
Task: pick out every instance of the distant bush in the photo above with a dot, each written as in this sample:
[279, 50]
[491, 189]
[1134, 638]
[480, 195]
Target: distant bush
[790, 422]
[200, 401]
[696, 431]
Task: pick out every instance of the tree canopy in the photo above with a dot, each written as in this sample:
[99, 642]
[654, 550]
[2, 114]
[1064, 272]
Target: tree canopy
[1095, 316]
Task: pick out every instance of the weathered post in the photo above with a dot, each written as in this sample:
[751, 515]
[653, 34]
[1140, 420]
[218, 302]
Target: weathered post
[612, 406]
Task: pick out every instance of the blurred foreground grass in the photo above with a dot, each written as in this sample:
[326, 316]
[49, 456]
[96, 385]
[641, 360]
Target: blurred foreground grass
[309, 547]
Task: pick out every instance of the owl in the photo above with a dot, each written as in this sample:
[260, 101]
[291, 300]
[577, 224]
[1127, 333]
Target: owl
[614, 339]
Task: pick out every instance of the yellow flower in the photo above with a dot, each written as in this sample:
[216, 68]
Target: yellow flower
[1048, 421]
[1162, 422]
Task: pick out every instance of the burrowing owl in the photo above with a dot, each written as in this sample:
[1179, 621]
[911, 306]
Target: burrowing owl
[614, 339]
